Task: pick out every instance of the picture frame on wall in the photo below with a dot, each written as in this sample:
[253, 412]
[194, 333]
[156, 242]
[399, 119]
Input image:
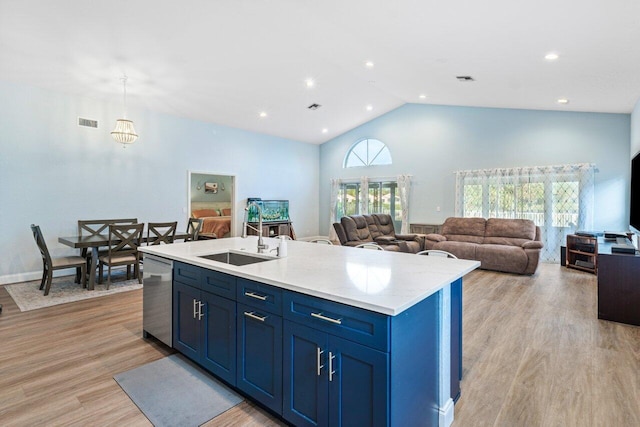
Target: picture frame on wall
[210, 187]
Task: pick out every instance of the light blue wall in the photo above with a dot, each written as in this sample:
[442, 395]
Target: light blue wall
[431, 142]
[201, 196]
[53, 172]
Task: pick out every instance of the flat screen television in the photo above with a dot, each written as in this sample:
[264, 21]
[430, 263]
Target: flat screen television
[634, 200]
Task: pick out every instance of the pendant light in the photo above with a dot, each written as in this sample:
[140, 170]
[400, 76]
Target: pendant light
[124, 133]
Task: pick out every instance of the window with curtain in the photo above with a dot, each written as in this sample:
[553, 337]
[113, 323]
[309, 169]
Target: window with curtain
[558, 199]
[383, 197]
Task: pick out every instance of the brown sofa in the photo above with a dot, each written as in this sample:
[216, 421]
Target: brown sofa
[509, 245]
[354, 230]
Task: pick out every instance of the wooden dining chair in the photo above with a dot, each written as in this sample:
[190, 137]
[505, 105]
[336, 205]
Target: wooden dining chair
[161, 232]
[96, 227]
[194, 226]
[50, 264]
[124, 241]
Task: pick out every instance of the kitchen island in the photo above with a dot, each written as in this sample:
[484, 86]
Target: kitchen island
[328, 335]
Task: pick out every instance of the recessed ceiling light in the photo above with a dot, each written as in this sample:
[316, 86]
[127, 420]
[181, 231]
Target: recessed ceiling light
[369, 64]
[263, 114]
[422, 96]
[310, 83]
[325, 130]
[551, 56]
[369, 107]
[562, 101]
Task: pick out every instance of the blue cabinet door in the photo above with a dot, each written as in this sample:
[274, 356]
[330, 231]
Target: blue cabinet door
[186, 325]
[305, 388]
[456, 338]
[358, 384]
[218, 353]
[259, 350]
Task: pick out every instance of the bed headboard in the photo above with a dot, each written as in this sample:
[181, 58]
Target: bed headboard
[219, 206]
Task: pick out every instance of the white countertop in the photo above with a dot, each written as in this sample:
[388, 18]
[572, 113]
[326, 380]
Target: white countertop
[384, 282]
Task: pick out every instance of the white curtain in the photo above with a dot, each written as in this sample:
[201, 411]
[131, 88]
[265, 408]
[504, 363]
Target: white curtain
[559, 199]
[335, 189]
[364, 195]
[404, 185]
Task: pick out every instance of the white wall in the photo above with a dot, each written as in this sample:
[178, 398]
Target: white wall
[635, 130]
[431, 142]
[53, 172]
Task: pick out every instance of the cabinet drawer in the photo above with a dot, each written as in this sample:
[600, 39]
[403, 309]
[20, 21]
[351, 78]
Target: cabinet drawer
[187, 274]
[219, 284]
[259, 295]
[352, 323]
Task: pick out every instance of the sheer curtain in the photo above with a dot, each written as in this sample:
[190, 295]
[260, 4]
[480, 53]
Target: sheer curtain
[559, 199]
[404, 185]
[364, 195]
[335, 189]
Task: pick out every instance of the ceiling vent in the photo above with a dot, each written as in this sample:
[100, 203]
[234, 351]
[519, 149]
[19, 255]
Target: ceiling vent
[87, 123]
[314, 106]
[465, 78]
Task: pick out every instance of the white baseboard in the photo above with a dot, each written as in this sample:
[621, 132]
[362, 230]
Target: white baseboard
[446, 414]
[8, 279]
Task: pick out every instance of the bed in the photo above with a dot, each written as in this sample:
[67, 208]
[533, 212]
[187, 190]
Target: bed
[216, 218]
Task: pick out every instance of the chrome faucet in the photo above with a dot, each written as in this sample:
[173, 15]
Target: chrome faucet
[262, 247]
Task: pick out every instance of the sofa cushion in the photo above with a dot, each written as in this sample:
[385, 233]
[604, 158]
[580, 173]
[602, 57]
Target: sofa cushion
[511, 259]
[464, 229]
[385, 224]
[463, 250]
[355, 227]
[373, 227]
[512, 232]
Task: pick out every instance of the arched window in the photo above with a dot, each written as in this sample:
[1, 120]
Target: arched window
[367, 152]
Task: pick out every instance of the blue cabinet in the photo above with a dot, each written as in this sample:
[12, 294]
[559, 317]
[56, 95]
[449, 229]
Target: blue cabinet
[329, 380]
[318, 362]
[204, 323]
[259, 352]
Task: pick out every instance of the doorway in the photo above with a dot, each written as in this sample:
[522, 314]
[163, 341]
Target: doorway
[211, 197]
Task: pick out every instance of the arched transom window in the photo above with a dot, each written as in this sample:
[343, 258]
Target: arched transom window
[367, 152]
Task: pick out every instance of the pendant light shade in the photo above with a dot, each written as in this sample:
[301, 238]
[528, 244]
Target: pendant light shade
[124, 133]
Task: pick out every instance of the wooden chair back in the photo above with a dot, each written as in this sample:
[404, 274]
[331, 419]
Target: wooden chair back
[94, 227]
[124, 239]
[42, 245]
[161, 232]
[193, 228]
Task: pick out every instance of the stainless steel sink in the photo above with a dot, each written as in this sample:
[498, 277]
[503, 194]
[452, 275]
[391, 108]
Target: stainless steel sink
[235, 258]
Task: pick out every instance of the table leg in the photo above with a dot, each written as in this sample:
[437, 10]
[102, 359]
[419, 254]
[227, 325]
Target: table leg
[92, 268]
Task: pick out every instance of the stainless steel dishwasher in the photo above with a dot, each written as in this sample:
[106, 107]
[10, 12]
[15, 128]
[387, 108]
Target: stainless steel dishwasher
[157, 298]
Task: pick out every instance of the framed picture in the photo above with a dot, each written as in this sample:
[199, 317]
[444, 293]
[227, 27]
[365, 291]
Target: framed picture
[210, 187]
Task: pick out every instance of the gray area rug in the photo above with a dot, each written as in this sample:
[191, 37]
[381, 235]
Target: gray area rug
[174, 392]
[27, 296]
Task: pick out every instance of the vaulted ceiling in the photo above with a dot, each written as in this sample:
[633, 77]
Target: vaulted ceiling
[228, 61]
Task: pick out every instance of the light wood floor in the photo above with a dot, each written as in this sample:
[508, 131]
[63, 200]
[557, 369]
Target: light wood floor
[534, 355]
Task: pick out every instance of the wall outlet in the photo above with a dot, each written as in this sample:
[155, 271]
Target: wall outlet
[437, 208]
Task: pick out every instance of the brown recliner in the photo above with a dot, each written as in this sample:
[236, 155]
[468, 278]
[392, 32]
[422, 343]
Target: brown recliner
[354, 230]
[385, 233]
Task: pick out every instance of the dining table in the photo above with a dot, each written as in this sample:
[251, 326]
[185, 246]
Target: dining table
[94, 243]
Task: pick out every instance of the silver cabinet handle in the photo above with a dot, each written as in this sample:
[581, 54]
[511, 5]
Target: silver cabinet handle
[318, 360]
[195, 304]
[331, 371]
[256, 296]
[200, 313]
[328, 319]
[254, 316]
